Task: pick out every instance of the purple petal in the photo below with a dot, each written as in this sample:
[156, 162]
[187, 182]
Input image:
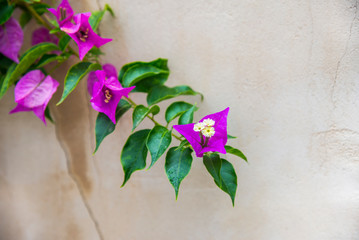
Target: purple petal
[20, 108]
[54, 11]
[69, 27]
[27, 84]
[91, 39]
[64, 5]
[220, 126]
[41, 94]
[192, 137]
[110, 70]
[113, 83]
[11, 38]
[216, 143]
[98, 99]
[40, 113]
[33, 92]
[43, 35]
[91, 79]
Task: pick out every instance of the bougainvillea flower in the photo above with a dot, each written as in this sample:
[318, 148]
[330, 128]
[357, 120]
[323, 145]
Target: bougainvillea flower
[85, 37]
[11, 37]
[43, 35]
[107, 93]
[208, 135]
[33, 92]
[110, 71]
[63, 14]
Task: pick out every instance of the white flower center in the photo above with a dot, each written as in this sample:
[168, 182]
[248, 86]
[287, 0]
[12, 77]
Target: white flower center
[205, 127]
[209, 122]
[208, 131]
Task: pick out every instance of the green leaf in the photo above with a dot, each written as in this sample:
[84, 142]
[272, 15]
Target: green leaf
[6, 11]
[54, 23]
[161, 93]
[140, 112]
[95, 51]
[5, 63]
[213, 164]
[75, 74]
[63, 57]
[41, 8]
[177, 166]
[236, 152]
[97, 16]
[45, 59]
[230, 136]
[134, 153]
[176, 109]
[228, 179]
[159, 139]
[28, 58]
[64, 41]
[104, 126]
[223, 174]
[48, 114]
[25, 18]
[144, 75]
[187, 117]
[183, 144]
[55, 30]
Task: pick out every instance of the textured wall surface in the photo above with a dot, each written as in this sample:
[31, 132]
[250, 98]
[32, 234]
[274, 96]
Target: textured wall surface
[289, 71]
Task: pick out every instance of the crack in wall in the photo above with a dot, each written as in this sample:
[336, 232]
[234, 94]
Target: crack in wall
[343, 55]
[78, 185]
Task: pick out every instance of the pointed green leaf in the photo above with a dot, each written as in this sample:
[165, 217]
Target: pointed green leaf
[144, 75]
[6, 11]
[41, 8]
[161, 93]
[141, 112]
[25, 18]
[228, 179]
[104, 126]
[177, 166]
[230, 136]
[5, 64]
[48, 114]
[176, 109]
[213, 164]
[236, 152]
[157, 143]
[187, 117]
[64, 41]
[97, 16]
[134, 153]
[45, 59]
[55, 30]
[28, 58]
[75, 74]
[223, 173]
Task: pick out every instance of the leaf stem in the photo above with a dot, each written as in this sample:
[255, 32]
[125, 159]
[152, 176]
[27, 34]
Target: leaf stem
[153, 120]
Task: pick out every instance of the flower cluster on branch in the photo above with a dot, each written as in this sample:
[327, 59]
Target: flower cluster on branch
[31, 70]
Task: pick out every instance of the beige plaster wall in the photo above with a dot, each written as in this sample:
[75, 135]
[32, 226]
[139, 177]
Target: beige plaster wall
[289, 71]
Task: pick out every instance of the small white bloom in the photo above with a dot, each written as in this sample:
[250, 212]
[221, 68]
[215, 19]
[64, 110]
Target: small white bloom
[198, 127]
[208, 131]
[209, 122]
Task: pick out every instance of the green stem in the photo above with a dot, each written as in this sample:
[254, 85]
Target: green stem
[153, 120]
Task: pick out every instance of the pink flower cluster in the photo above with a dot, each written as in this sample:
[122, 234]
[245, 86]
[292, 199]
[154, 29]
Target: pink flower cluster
[78, 28]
